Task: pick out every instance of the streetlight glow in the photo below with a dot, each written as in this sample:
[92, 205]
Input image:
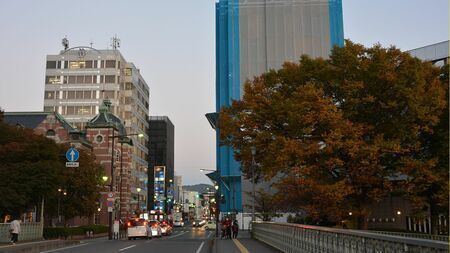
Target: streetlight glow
[138, 189]
[105, 178]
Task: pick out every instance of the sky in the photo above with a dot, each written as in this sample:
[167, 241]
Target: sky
[173, 44]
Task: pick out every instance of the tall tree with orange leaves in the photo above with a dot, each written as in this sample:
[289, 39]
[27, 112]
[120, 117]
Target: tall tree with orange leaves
[337, 131]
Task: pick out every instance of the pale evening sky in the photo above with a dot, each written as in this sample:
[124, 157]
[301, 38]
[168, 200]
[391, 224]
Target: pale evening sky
[173, 44]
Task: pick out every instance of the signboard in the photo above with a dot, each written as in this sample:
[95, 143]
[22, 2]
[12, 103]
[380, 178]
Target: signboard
[72, 155]
[72, 164]
[110, 206]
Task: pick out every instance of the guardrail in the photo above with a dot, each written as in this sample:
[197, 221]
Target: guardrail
[443, 238]
[293, 238]
[28, 231]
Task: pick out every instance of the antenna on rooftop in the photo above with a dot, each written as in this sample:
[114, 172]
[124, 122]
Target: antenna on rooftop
[65, 43]
[115, 42]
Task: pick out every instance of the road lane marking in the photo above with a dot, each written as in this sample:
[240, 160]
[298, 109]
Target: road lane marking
[200, 248]
[240, 246]
[70, 247]
[129, 247]
[210, 233]
[177, 235]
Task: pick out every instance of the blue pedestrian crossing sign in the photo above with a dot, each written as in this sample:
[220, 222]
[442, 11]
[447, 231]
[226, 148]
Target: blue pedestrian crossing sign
[72, 155]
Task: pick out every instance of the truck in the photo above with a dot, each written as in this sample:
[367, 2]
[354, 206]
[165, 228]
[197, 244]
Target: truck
[178, 219]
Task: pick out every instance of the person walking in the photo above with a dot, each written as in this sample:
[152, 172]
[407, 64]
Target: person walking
[14, 229]
[235, 228]
[228, 228]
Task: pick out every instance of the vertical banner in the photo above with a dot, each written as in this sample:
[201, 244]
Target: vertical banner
[160, 187]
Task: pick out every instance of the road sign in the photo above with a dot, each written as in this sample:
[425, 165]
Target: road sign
[72, 155]
[72, 164]
[110, 206]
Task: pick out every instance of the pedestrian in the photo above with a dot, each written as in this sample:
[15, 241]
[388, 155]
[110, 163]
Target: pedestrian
[235, 228]
[228, 228]
[223, 228]
[14, 229]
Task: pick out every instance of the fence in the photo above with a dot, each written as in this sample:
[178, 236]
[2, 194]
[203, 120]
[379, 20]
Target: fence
[293, 238]
[443, 238]
[28, 231]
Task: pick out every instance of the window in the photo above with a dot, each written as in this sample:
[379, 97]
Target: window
[72, 79]
[99, 139]
[53, 80]
[80, 79]
[49, 108]
[49, 94]
[95, 64]
[127, 72]
[109, 94]
[77, 65]
[50, 132]
[88, 64]
[87, 94]
[128, 86]
[110, 79]
[110, 64]
[70, 110]
[71, 95]
[88, 79]
[51, 64]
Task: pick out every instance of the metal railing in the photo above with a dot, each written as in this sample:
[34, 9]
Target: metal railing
[28, 231]
[443, 238]
[293, 238]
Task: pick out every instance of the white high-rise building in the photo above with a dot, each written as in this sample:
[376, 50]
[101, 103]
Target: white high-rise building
[79, 78]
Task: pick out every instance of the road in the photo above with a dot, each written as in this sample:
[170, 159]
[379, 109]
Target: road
[186, 239]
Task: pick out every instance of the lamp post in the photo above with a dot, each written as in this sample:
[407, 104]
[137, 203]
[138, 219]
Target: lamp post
[253, 150]
[59, 202]
[217, 198]
[111, 186]
[138, 206]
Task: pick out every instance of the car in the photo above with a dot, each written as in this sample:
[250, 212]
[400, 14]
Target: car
[196, 223]
[178, 223]
[166, 229]
[155, 228]
[210, 225]
[138, 228]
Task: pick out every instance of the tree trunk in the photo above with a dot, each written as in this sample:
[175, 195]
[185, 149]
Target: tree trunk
[434, 217]
[361, 221]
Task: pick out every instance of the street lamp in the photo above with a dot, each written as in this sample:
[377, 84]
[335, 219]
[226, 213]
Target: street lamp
[253, 150]
[60, 191]
[111, 186]
[138, 206]
[216, 198]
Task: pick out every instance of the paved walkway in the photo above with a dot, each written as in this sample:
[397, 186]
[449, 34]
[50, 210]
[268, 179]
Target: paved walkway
[243, 244]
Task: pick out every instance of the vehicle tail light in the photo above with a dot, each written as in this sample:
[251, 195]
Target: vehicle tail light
[145, 223]
[129, 224]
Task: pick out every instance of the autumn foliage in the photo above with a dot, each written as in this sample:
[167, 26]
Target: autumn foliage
[338, 132]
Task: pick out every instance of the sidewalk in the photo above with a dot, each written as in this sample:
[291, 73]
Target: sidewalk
[44, 245]
[243, 244]
[36, 246]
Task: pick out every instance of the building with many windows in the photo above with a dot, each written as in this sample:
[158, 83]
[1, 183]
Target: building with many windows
[79, 78]
[161, 132]
[252, 37]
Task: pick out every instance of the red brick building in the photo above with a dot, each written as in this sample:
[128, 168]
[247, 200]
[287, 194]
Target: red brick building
[97, 138]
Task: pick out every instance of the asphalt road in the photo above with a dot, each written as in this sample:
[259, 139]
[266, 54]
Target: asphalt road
[185, 239]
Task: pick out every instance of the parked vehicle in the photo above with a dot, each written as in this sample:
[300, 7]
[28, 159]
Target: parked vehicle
[138, 228]
[155, 228]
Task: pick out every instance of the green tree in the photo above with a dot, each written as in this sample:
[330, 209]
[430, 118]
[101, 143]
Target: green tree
[32, 168]
[337, 131]
[29, 166]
